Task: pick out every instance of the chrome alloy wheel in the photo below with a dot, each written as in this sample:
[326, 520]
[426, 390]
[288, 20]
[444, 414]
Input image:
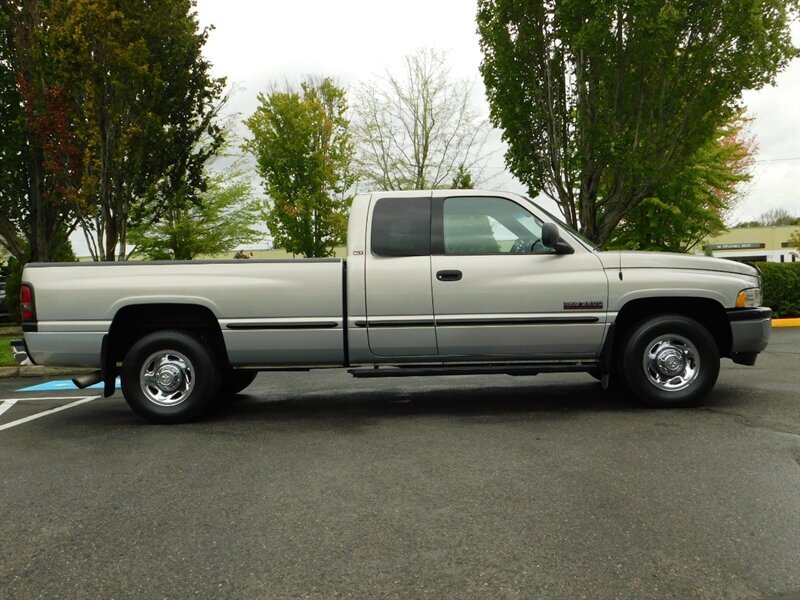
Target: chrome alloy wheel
[167, 378]
[671, 362]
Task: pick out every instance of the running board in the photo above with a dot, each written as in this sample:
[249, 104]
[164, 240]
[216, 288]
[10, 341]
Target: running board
[366, 372]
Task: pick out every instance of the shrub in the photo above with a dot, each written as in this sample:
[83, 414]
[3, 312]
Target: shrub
[781, 288]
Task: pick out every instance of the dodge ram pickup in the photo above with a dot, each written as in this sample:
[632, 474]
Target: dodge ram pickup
[440, 282]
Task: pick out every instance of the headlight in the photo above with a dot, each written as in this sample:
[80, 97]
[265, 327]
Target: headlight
[749, 298]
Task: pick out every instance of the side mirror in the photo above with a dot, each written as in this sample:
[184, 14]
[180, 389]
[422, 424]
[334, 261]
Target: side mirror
[549, 235]
[551, 239]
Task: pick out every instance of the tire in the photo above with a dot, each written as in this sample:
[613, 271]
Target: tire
[169, 377]
[670, 361]
[234, 381]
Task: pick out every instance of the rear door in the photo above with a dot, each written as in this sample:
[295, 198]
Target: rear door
[497, 291]
[399, 298]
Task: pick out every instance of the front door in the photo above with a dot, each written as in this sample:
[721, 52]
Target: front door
[497, 291]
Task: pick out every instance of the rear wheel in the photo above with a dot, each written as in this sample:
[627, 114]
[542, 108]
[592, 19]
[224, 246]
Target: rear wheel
[670, 361]
[169, 377]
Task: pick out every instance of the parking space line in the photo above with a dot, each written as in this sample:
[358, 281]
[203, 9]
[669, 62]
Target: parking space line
[47, 412]
[59, 385]
[6, 404]
[42, 398]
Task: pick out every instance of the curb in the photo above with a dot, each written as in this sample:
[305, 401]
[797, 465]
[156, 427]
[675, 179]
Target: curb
[795, 322]
[40, 371]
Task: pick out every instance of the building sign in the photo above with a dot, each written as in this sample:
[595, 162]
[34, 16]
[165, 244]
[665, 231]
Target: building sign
[742, 246]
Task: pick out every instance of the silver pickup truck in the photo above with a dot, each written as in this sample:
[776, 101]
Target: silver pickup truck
[439, 282]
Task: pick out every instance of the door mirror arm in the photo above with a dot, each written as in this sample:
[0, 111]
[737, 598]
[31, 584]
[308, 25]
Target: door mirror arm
[563, 247]
[551, 239]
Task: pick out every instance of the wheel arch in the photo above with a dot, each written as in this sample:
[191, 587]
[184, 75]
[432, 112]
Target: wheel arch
[709, 313]
[134, 321]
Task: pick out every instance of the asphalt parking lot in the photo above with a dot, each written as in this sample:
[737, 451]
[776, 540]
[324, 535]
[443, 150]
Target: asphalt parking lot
[316, 485]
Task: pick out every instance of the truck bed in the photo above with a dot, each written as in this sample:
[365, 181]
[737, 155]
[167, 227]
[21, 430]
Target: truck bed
[270, 311]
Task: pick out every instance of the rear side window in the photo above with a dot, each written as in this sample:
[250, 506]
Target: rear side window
[401, 227]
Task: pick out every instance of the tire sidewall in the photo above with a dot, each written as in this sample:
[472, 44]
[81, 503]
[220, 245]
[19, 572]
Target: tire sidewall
[205, 371]
[641, 337]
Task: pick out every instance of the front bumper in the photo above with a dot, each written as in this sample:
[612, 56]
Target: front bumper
[750, 331]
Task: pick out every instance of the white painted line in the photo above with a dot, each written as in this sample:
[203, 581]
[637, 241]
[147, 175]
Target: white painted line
[47, 412]
[43, 398]
[6, 404]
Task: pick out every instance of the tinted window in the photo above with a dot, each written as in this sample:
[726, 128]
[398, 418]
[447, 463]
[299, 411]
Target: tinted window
[401, 227]
[474, 225]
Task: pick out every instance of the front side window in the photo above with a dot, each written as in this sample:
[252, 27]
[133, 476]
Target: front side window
[476, 225]
[401, 227]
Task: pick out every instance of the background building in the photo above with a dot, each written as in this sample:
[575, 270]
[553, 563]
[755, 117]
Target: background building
[753, 244]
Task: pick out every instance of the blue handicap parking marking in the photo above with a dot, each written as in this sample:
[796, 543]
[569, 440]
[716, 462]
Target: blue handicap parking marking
[61, 384]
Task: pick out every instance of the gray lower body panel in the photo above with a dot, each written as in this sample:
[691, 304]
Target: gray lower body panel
[65, 349]
[285, 347]
[750, 330]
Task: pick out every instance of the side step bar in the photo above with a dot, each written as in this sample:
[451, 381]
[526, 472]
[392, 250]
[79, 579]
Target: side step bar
[428, 371]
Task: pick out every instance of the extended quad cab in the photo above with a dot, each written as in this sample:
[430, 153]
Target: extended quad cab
[435, 283]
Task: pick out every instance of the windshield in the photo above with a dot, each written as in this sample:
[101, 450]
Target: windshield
[589, 243]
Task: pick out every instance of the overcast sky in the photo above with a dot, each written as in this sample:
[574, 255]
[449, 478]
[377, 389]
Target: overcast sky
[257, 42]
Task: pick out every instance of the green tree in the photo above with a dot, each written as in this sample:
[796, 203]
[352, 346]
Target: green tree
[221, 218]
[777, 217]
[462, 180]
[303, 151]
[603, 102]
[692, 205]
[774, 217]
[794, 239]
[146, 108]
[415, 130]
[40, 158]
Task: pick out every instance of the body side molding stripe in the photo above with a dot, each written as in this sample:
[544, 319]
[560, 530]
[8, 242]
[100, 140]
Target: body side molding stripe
[480, 322]
[409, 323]
[296, 325]
[516, 321]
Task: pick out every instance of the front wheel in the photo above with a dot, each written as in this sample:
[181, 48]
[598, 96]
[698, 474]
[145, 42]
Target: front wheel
[169, 377]
[670, 361]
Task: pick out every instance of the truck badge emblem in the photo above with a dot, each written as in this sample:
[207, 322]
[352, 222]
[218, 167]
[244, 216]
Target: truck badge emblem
[591, 305]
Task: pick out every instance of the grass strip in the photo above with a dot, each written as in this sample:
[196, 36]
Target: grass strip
[6, 356]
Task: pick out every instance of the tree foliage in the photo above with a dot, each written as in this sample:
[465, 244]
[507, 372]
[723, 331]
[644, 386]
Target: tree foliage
[418, 129]
[693, 204]
[462, 180]
[108, 115]
[146, 106]
[777, 217]
[794, 239]
[303, 151]
[773, 217]
[603, 102]
[40, 158]
[221, 218]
